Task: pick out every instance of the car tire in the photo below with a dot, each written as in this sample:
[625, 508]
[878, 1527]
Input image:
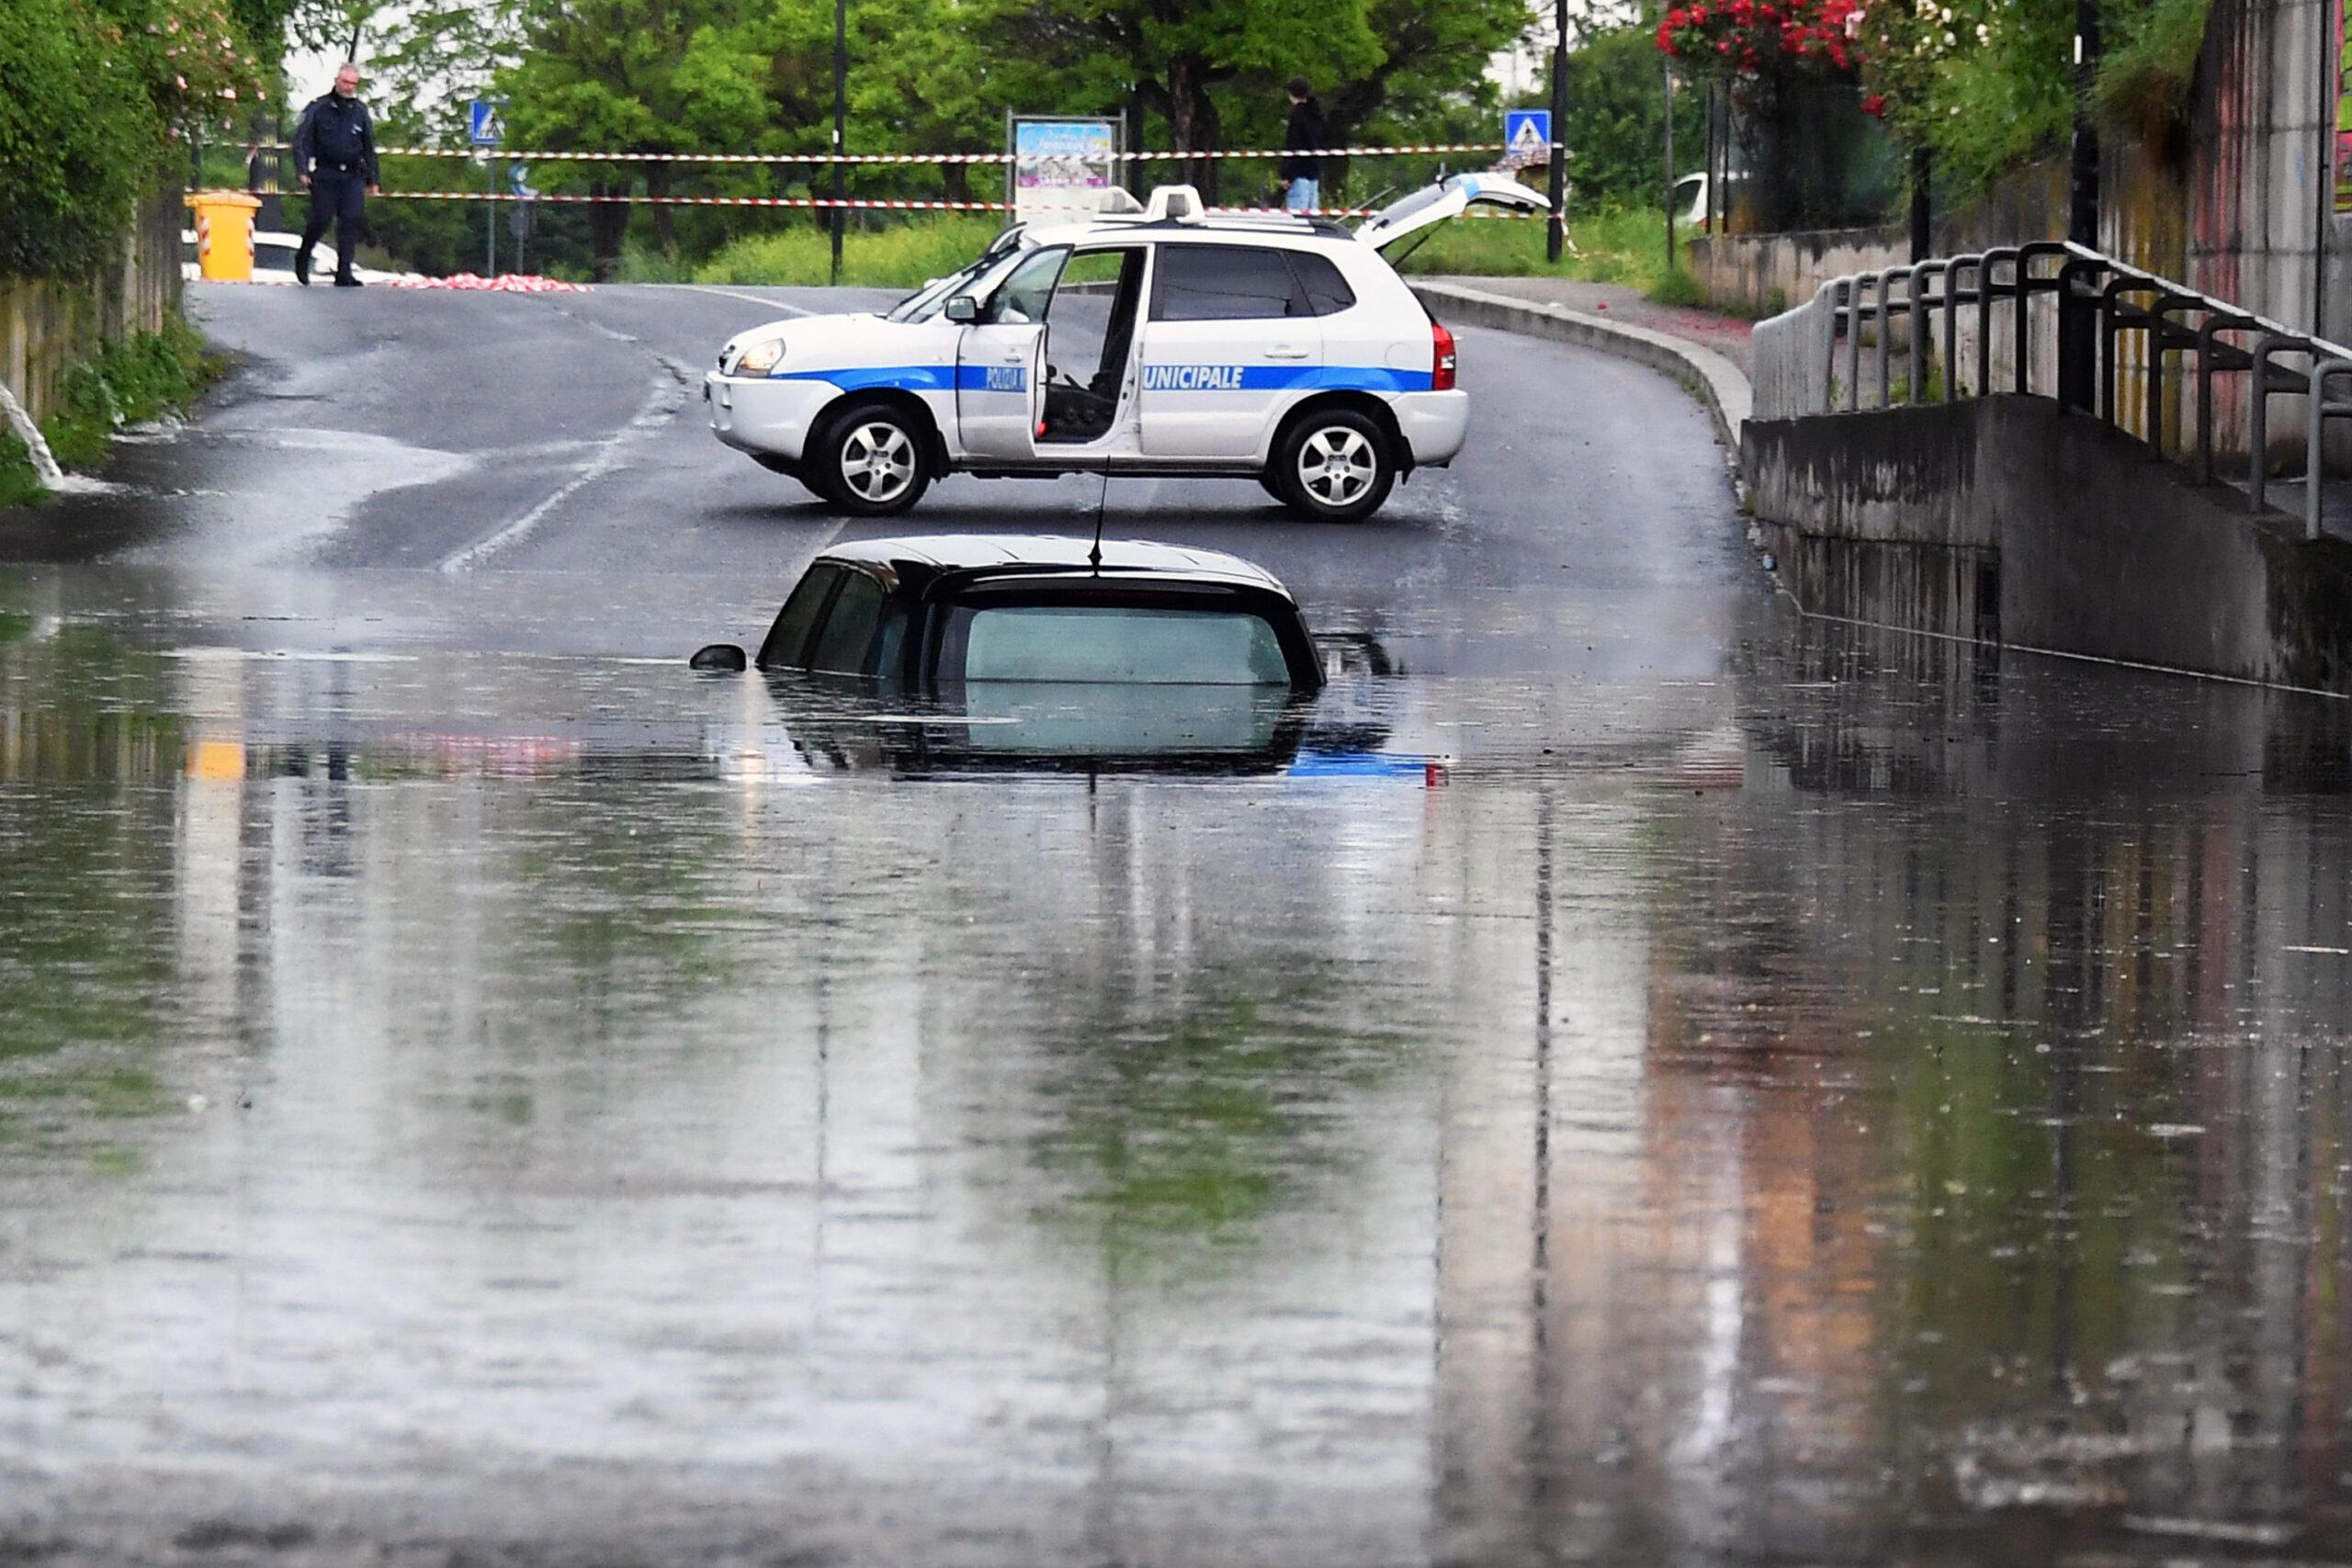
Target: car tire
[875, 461]
[1334, 466]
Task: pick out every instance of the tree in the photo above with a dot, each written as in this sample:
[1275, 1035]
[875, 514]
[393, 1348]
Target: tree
[1616, 124]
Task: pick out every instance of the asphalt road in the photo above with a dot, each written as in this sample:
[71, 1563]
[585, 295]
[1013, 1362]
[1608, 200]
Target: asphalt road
[470, 437]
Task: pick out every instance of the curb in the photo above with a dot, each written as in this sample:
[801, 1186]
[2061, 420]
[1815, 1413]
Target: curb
[1710, 378]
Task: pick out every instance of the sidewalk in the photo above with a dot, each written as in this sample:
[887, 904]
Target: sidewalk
[1710, 353]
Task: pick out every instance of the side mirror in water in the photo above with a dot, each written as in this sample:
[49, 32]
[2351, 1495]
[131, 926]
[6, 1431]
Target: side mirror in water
[963, 308]
[722, 657]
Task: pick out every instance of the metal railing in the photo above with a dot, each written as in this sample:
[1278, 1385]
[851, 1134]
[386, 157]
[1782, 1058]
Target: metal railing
[2094, 302]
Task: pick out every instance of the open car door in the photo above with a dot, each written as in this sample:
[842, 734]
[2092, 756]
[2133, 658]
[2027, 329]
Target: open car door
[1422, 212]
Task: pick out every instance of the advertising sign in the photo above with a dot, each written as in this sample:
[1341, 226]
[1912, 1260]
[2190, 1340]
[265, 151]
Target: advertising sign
[1060, 167]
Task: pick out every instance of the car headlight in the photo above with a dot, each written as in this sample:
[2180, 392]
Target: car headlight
[759, 357]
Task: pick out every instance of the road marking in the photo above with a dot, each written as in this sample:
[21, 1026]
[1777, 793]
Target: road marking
[607, 458]
[738, 294]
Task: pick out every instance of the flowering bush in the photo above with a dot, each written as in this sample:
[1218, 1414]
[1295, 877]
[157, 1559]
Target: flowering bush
[93, 95]
[1755, 37]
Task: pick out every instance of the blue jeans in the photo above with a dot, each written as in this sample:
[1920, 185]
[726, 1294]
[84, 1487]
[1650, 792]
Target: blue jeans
[1304, 193]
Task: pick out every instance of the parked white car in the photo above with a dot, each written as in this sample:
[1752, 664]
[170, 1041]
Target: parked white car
[1169, 340]
[274, 259]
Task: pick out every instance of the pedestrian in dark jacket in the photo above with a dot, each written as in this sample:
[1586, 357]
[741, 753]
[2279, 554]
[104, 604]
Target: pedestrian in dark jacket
[1307, 129]
[335, 154]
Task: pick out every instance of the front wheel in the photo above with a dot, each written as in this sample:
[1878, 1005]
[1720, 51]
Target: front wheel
[1334, 466]
[874, 462]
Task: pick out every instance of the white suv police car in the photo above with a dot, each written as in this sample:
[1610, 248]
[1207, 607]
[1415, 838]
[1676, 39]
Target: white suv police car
[1168, 341]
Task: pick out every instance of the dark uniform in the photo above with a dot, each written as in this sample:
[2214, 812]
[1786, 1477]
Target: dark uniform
[335, 145]
[1302, 174]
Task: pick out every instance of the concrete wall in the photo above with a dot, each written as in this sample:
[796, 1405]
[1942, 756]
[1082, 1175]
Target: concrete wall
[2004, 519]
[49, 323]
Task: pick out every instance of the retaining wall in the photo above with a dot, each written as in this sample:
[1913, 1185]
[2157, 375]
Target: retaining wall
[49, 323]
[2004, 519]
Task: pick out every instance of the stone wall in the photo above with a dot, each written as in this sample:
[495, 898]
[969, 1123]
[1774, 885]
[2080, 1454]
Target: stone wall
[49, 323]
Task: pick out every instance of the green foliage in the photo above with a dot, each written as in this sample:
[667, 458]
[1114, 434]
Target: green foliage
[1677, 288]
[2147, 66]
[1616, 124]
[904, 256]
[19, 486]
[1612, 245]
[132, 380]
[1986, 86]
[93, 95]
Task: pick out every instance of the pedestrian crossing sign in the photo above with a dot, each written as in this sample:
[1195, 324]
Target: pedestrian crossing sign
[1527, 137]
[485, 121]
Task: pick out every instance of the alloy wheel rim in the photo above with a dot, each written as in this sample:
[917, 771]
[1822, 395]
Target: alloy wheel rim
[1336, 466]
[877, 462]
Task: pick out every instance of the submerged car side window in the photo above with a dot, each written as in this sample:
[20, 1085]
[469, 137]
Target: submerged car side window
[849, 626]
[789, 639]
[1224, 283]
[1128, 644]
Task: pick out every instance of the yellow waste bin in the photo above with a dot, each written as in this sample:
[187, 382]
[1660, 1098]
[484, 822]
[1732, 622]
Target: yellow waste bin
[224, 235]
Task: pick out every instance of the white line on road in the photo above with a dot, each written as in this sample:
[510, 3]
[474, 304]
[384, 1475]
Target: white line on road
[607, 458]
[754, 298]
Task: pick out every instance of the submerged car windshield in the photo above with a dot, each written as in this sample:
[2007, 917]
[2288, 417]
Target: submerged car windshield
[1130, 644]
[927, 301]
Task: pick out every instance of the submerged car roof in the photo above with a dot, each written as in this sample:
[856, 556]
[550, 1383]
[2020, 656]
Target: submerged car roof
[963, 552]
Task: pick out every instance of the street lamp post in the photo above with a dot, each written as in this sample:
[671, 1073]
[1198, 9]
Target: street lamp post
[1556, 229]
[841, 118]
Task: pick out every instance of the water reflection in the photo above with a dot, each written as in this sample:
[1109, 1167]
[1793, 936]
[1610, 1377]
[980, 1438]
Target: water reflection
[1857, 1105]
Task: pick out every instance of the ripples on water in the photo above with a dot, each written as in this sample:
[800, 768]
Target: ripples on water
[1870, 1103]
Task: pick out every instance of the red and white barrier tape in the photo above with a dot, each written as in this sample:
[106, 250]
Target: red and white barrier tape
[810, 202]
[920, 158]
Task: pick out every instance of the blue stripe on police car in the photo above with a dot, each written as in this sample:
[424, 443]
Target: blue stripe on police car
[1165, 378]
[1170, 377]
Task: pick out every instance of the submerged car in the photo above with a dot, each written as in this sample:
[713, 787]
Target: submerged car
[922, 613]
[1174, 341]
[1029, 650]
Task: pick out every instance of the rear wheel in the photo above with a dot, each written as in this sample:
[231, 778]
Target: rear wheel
[874, 461]
[1335, 466]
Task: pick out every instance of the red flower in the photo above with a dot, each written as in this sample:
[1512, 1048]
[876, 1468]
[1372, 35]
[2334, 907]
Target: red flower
[1875, 105]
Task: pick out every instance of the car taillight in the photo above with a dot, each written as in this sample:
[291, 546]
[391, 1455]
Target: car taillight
[1442, 372]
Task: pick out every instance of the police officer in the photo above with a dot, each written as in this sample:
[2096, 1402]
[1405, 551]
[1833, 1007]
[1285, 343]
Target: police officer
[334, 153]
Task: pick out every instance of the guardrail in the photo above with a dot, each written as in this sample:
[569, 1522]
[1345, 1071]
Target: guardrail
[2088, 302]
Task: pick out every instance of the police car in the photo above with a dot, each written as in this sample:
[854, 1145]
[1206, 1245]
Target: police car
[1164, 341]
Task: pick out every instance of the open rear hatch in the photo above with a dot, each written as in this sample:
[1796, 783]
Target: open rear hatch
[1422, 212]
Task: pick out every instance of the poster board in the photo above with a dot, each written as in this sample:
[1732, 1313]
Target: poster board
[1061, 167]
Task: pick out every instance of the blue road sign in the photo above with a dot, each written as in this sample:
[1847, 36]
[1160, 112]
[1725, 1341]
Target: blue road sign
[1527, 136]
[520, 173]
[485, 125]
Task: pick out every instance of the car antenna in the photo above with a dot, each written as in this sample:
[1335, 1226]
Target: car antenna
[1101, 504]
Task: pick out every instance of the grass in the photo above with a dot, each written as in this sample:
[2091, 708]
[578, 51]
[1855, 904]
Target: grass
[905, 256]
[1611, 246]
[132, 380]
[19, 486]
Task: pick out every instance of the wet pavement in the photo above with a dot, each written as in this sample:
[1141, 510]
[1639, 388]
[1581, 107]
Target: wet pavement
[1622, 1076]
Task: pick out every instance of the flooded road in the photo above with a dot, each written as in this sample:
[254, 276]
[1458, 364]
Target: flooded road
[1856, 1103]
[1621, 1077]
